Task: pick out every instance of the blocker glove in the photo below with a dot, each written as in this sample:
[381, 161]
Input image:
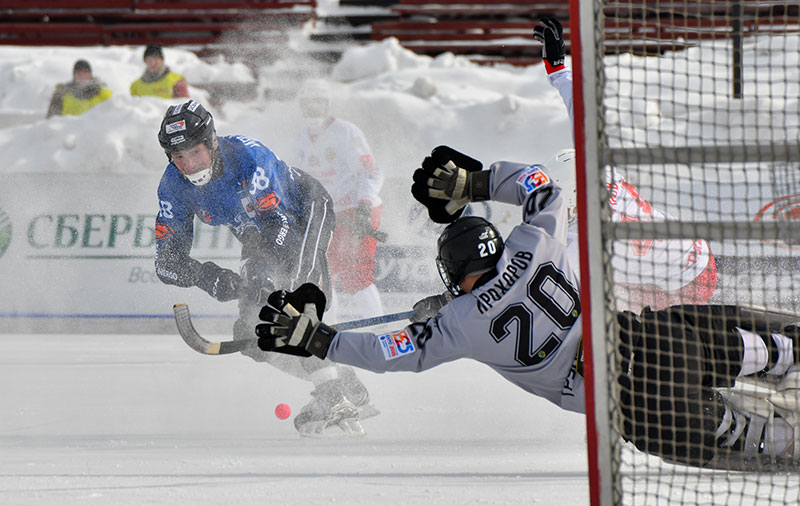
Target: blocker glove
[285, 331]
[551, 34]
[447, 181]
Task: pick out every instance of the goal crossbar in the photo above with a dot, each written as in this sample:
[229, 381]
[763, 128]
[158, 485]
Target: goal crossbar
[708, 230]
[697, 155]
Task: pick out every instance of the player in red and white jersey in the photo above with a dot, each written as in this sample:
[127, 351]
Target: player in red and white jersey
[655, 273]
[336, 153]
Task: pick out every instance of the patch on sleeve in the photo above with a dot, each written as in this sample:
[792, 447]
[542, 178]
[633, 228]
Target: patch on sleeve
[163, 231]
[396, 344]
[532, 178]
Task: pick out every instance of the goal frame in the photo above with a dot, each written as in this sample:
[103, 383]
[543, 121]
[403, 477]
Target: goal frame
[589, 225]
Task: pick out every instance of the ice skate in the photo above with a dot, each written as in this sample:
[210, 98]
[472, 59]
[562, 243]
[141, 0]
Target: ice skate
[357, 393]
[328, 408]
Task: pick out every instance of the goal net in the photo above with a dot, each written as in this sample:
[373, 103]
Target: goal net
[687, 139]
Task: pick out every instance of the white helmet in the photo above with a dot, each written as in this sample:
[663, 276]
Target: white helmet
[314, 98]
[562, 169]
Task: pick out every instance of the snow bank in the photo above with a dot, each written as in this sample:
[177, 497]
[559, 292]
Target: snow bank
[405, 103]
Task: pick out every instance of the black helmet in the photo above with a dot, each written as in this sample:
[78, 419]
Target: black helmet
[469, 245]
[185, 126]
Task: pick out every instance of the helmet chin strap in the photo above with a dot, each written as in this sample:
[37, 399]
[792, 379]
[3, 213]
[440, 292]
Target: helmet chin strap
[486, 276]
[200, 177]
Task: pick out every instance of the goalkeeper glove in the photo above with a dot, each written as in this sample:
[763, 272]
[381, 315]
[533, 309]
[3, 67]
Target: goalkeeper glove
[550, 33]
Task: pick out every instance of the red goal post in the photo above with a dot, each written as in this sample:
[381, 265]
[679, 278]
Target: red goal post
[585, 134]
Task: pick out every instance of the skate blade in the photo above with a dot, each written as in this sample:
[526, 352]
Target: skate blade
[367, 411]
[311, 429]
[344, 429]
[352, 428]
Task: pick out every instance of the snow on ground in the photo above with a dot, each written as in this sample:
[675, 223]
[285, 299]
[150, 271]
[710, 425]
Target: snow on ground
[406, 104]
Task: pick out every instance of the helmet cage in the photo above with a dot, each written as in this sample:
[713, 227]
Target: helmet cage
[451, 277]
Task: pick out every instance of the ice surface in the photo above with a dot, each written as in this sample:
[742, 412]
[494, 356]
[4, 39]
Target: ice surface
[132, 420]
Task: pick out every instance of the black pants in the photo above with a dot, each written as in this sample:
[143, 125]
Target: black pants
[301, 258]
[286, 256]
[670, 362]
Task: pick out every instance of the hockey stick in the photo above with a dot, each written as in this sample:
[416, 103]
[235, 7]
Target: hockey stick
[375, 320]
[202, 345]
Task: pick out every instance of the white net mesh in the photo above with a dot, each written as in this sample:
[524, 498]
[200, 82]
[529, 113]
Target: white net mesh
[698, 129]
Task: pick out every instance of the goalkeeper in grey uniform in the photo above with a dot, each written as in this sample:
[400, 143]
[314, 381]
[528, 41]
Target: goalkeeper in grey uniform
[516, 308]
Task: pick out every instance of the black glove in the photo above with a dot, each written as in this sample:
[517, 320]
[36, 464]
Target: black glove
[257, 283]
[429, 306]
[303, 335]
[447, 181]
[306, 294]
[222, 284]
[362, 224]
[550, 33]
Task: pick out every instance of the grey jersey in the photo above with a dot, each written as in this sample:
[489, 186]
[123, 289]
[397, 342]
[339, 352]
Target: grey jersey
[524, 323]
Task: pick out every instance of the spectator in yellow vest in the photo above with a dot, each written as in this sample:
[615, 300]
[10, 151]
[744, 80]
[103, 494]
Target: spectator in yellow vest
[158, 80]
[79, 95]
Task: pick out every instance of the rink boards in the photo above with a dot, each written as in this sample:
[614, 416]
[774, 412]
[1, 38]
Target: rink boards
[76, 251]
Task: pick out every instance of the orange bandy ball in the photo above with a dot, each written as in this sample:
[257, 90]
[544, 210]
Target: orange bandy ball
[283, 411]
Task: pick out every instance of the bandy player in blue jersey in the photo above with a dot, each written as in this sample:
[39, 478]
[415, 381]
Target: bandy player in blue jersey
[284, 219]
[517, 309]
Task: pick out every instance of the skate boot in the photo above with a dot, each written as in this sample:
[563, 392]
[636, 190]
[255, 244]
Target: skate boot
[786, 400]
[328, 408]
[355, 390]
[762, 419]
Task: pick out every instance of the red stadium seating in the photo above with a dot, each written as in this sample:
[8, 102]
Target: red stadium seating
[486, 31]
[167, 22]
[489, 31]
